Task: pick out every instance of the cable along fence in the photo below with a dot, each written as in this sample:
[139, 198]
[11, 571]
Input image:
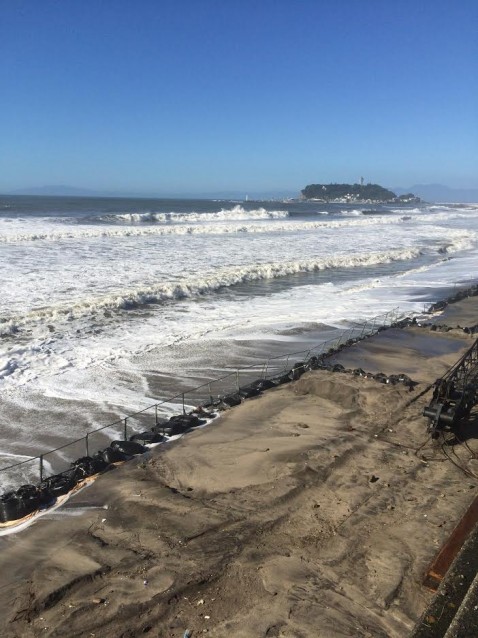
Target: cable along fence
[208, 394]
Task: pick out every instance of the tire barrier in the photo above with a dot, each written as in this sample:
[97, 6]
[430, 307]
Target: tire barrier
[472, 291]
[380, 377]
[469, 330]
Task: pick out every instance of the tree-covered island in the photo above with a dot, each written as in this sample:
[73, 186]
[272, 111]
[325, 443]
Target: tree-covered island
[355, 193]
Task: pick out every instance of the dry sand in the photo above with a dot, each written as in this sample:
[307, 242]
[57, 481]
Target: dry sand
[302, 513]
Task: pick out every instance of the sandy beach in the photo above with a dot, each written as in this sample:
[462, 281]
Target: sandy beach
[310, 511]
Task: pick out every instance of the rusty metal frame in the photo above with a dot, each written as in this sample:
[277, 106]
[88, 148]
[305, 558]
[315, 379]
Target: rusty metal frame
[455, 393]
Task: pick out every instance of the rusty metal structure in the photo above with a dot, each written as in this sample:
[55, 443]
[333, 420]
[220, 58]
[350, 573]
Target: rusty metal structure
[455, 394]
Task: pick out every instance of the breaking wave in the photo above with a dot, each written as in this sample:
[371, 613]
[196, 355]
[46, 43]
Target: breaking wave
[237, 213]
[197, 286]
[229, 227]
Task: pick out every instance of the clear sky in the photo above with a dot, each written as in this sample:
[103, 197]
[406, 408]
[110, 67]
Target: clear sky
[183, 96]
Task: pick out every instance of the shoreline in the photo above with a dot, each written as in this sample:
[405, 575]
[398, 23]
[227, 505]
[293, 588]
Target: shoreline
[305, 507]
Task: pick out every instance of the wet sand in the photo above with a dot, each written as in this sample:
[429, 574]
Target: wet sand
[305, 512]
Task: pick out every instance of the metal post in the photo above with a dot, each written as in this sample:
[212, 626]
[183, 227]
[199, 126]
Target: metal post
[373, 325]
[126, 429]
[87, 446]
[363, 329]
[237, 379]
[286, 364]
[266, 369]
[184, 409]
[41, 468]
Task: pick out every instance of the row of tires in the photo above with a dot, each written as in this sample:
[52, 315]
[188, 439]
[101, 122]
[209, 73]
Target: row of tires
[15, 505]
[434, 327]
[458, 296]
[381, 377]
[298, 369]
[469, 330]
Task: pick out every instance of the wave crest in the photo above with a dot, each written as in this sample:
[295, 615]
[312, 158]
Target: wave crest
[237, 213]
[196, 286]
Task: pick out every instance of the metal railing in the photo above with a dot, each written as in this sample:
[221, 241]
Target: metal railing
[59, 459]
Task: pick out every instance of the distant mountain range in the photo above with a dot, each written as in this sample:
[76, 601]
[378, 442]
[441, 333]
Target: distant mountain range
[440, 193]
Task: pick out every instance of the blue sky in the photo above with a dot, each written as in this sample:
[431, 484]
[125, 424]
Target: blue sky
[192, 96]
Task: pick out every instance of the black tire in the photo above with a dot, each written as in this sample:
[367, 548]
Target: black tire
[263, 384]
[181, 423]
[60, 484]
[113, 456]
[298, 370]
[10, 507]
[30, 495]
[88, 465]
[46, 496]
[128, 447]
[147, 437]
[248, 392]
[15, 505]
[313, 363]
[186, 420]
[231, 400]
[283, 378]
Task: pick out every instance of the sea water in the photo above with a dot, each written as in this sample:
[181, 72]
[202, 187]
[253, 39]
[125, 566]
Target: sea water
[109, 305]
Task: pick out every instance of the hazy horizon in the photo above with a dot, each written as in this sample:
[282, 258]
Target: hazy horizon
[428, 192]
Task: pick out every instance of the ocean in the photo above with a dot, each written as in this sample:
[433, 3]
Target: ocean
[108, 305]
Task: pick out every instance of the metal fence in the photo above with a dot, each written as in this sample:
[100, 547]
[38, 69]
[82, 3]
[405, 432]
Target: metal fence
[59, 459]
